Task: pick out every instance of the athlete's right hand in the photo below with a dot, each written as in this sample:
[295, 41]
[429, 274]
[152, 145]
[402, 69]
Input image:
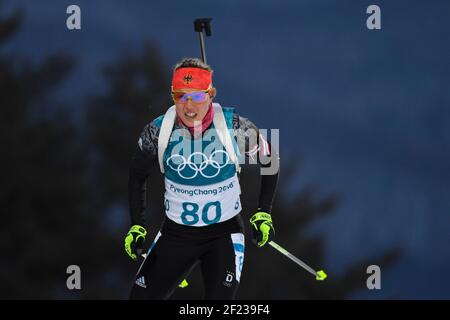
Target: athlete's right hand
[134, 240]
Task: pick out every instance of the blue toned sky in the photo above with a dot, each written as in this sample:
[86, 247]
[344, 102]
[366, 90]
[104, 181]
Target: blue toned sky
[370, 109]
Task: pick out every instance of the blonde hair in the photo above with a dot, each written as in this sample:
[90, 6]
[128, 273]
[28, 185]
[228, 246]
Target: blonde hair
[192, 63]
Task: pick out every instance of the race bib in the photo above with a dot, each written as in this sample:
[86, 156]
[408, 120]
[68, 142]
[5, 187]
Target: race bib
[202, 205]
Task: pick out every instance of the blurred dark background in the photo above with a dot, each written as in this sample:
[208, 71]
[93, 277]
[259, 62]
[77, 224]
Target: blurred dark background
[363, 118]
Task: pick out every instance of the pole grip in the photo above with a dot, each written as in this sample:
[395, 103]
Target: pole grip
[201, 24]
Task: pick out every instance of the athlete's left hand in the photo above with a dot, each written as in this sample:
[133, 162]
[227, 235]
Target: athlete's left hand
[262, 228]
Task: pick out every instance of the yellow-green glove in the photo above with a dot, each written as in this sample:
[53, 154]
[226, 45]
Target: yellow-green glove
[262, 228]
[134, 240]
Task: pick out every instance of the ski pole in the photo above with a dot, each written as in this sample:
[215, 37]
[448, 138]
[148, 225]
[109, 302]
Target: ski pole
[200, 25]
[320, 275]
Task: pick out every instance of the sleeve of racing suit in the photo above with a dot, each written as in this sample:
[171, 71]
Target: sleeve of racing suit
[255, 147]
[144, 157]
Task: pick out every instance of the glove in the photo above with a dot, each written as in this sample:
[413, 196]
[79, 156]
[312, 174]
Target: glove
[134, 240]
[262, 228]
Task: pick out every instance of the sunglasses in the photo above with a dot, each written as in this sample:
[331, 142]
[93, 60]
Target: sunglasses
[196, 96]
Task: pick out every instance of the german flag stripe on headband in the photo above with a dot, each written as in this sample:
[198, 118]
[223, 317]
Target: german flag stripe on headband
[191, 78]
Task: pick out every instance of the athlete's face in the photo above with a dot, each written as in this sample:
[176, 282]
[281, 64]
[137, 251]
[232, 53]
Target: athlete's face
[192, 105]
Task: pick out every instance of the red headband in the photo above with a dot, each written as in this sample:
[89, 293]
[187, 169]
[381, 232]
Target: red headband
[191, 78]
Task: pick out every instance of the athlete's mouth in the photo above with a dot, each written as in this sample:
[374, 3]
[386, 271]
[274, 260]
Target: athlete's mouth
[190, 115]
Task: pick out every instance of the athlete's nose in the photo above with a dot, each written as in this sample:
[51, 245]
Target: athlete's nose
[189, 106]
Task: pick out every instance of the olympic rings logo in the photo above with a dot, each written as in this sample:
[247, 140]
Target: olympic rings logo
[182, 164]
